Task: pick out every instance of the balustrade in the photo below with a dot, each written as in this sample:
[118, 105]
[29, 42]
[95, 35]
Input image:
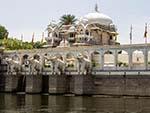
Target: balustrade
[106, 57]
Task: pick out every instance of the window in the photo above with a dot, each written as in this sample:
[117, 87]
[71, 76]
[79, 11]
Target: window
[71, 35]
[87, 32]
[111, 37]
[55, 34]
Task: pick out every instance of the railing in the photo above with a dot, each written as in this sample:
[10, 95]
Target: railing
[74, 71]
[123, 71]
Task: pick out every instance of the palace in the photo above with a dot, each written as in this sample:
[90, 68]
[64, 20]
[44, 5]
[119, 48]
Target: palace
[92, 29]
[89, 44]
[88, 47]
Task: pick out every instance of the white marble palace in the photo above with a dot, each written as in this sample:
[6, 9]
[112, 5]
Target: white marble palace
[89, 44]
[93, 28]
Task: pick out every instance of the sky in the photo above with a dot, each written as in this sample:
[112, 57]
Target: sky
[28, 16]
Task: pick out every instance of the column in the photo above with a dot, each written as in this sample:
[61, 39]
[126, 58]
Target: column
[115, 58]
[146, 58]
[130, 58]
[101, 59]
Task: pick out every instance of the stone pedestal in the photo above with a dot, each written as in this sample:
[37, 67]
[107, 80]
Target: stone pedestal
[3, 70]
[83, 85]
[2, 82]
[11, 83]
[33, 83]
[57, 84]
[45, 83]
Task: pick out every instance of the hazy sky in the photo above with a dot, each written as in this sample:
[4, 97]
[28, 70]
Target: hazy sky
[28, 16]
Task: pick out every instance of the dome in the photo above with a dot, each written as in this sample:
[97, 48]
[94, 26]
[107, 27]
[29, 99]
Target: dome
[97, 17]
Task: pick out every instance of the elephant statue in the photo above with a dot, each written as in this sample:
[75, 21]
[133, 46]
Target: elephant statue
[13, 65]
[70, 62]
[46, 63]
[84, 65]
[25, 64]
[35, 65]
[58, 65]
[31, 64]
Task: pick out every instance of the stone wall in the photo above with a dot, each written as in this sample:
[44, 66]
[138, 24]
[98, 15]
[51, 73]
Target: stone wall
[57, 84]
[130, 85]
[33, 84]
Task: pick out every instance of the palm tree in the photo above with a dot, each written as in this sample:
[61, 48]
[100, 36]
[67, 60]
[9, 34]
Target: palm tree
[67, 19]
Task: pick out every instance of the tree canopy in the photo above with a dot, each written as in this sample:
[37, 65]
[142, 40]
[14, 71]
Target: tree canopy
[15, 44]
[68, 19]
[3, 32]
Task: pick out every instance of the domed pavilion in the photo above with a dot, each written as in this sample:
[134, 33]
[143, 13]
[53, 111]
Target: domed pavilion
[93, 28]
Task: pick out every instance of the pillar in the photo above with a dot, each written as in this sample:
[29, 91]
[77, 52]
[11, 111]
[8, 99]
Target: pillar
[83, 85]
[33, 84]
[57, 84]
[146, 58]
[10, 83]
[130, 52]
[115, 58]
[102, 60]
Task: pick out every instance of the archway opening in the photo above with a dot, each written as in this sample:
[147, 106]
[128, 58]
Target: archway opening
[109, 59]
[95, 59]
[137, 59]
[123, 59]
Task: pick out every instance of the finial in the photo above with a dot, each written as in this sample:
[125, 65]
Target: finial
[96, 7]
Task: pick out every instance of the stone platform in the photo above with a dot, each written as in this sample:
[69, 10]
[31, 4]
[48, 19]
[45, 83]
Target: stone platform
[123, 85]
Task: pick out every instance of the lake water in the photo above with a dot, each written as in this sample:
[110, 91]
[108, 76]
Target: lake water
[11, 103]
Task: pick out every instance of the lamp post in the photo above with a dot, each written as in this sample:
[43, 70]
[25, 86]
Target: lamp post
[131, 29]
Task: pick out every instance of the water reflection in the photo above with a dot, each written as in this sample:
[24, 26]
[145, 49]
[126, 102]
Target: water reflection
[60, 104]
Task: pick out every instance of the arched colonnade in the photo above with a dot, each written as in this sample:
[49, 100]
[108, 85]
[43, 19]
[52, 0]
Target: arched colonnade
[135, 57]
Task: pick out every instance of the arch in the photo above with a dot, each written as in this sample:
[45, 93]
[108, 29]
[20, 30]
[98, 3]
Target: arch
[109, 59]
[96, 52]
[108, 52]
[96, 59]
[148, 58]
[36, 56]
[138, 58]
[123, 58]
[25, 56]
[82, 26]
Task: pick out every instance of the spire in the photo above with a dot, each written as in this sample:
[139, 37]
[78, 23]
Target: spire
[96, 7]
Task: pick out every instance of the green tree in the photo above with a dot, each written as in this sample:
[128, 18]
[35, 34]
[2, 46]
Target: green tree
[3, 32]
[37, 45]
[68, 19]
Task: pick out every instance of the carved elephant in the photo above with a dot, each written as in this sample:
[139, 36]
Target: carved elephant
[31, 64]
[84, 64]
[13, 65]
[35, 65]
[58, 65]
